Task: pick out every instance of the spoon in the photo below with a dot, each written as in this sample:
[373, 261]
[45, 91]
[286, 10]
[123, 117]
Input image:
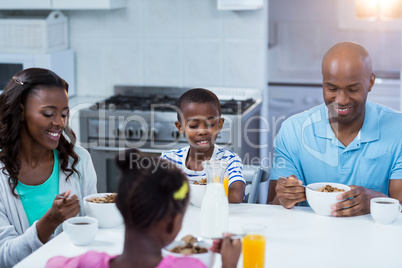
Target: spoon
[238, 236]
[305, 186]
[62, 196]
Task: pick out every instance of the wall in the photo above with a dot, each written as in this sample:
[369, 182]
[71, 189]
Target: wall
[302, 31]
[185, 43]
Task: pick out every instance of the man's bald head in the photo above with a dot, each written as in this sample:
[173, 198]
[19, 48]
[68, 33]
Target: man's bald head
[347, 55]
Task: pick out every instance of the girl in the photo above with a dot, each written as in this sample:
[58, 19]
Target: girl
[152, 197]
[38, 160]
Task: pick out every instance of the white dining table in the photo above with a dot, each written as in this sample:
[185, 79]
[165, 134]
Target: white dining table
[295, 237]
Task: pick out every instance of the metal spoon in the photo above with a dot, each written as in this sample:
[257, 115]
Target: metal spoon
[238, 236]
[305, 186]
[61, 196]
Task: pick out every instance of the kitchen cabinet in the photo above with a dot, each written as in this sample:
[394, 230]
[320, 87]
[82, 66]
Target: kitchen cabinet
[88, 4]
[240, 4]
[25, 4]
[61, 4]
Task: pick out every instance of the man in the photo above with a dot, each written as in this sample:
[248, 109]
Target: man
[348, 140]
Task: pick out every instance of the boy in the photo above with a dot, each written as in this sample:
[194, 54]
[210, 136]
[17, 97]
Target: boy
[199, 119]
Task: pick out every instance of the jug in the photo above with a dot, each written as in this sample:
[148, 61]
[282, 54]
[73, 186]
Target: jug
[215, 205]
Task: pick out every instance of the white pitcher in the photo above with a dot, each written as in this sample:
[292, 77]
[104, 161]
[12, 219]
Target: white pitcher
[215, 205]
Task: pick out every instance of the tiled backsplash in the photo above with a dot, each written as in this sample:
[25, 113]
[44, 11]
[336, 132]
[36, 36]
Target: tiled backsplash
[187, 43]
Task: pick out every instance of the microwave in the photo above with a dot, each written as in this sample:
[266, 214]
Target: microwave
[60, 62]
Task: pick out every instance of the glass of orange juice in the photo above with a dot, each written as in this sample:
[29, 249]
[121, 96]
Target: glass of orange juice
[254, 245]
[226, 184]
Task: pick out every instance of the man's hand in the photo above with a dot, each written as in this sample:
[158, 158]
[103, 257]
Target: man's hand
[289, 191]
[357, 202]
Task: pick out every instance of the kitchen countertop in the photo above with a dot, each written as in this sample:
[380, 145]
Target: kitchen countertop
[315, 78]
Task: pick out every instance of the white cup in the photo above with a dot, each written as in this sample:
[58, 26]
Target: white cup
[385, 210]
[81, 230]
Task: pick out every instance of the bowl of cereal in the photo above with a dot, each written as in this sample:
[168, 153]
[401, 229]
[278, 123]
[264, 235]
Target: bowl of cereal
[322, 195]
[197, 190]
[190, 246]
[103, 208]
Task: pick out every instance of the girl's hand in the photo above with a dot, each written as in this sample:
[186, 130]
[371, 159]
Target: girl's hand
[230, 251]
[228, 248]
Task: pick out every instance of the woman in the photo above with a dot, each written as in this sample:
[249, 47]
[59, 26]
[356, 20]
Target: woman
[38, 160]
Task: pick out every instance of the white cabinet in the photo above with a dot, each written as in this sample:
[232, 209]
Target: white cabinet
[25, 4]
[88, 4]
[240, 4]
[61, 4]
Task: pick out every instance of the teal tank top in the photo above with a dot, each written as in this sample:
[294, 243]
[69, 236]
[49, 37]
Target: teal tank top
[38, 199]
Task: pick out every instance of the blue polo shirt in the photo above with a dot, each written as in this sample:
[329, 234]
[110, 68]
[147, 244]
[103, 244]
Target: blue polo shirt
[307, 147]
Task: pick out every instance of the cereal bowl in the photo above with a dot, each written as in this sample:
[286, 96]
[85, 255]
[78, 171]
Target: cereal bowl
[107, 214]
[321, 202]
[207, 258]
[197, 193]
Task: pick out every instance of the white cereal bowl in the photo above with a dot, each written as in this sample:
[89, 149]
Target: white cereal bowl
[321, 202]
[196, 194]
[107, 214]
[207, 258]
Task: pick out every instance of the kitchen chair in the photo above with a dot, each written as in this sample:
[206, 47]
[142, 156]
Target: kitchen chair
[254, 175]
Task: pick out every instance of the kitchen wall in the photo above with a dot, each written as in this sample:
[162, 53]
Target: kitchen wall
[302, 31]
[185, 43]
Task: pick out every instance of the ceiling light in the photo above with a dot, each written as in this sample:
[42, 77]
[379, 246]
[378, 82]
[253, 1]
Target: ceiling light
[390, 9]
[378, 9]
[366, 9]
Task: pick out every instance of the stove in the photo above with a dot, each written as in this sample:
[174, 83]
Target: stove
[165, 103]
[143, 117]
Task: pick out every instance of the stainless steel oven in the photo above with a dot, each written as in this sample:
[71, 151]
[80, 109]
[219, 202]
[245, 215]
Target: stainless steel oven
[143, 118]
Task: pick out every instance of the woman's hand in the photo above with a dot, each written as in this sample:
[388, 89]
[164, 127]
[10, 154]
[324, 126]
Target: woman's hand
[61, 210]
[64, 208]
[229, 249]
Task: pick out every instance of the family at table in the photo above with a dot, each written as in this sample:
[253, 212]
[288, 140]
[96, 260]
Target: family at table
[44, 174]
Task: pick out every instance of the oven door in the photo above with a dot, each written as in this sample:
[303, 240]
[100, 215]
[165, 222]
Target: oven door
[106, 169]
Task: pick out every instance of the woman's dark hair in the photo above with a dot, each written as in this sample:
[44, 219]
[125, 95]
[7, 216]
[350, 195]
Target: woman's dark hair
[17, 91]
[197, 95]
[147, 187]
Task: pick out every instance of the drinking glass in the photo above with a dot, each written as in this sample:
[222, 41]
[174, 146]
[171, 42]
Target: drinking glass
[226, 183]
[254, 245]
